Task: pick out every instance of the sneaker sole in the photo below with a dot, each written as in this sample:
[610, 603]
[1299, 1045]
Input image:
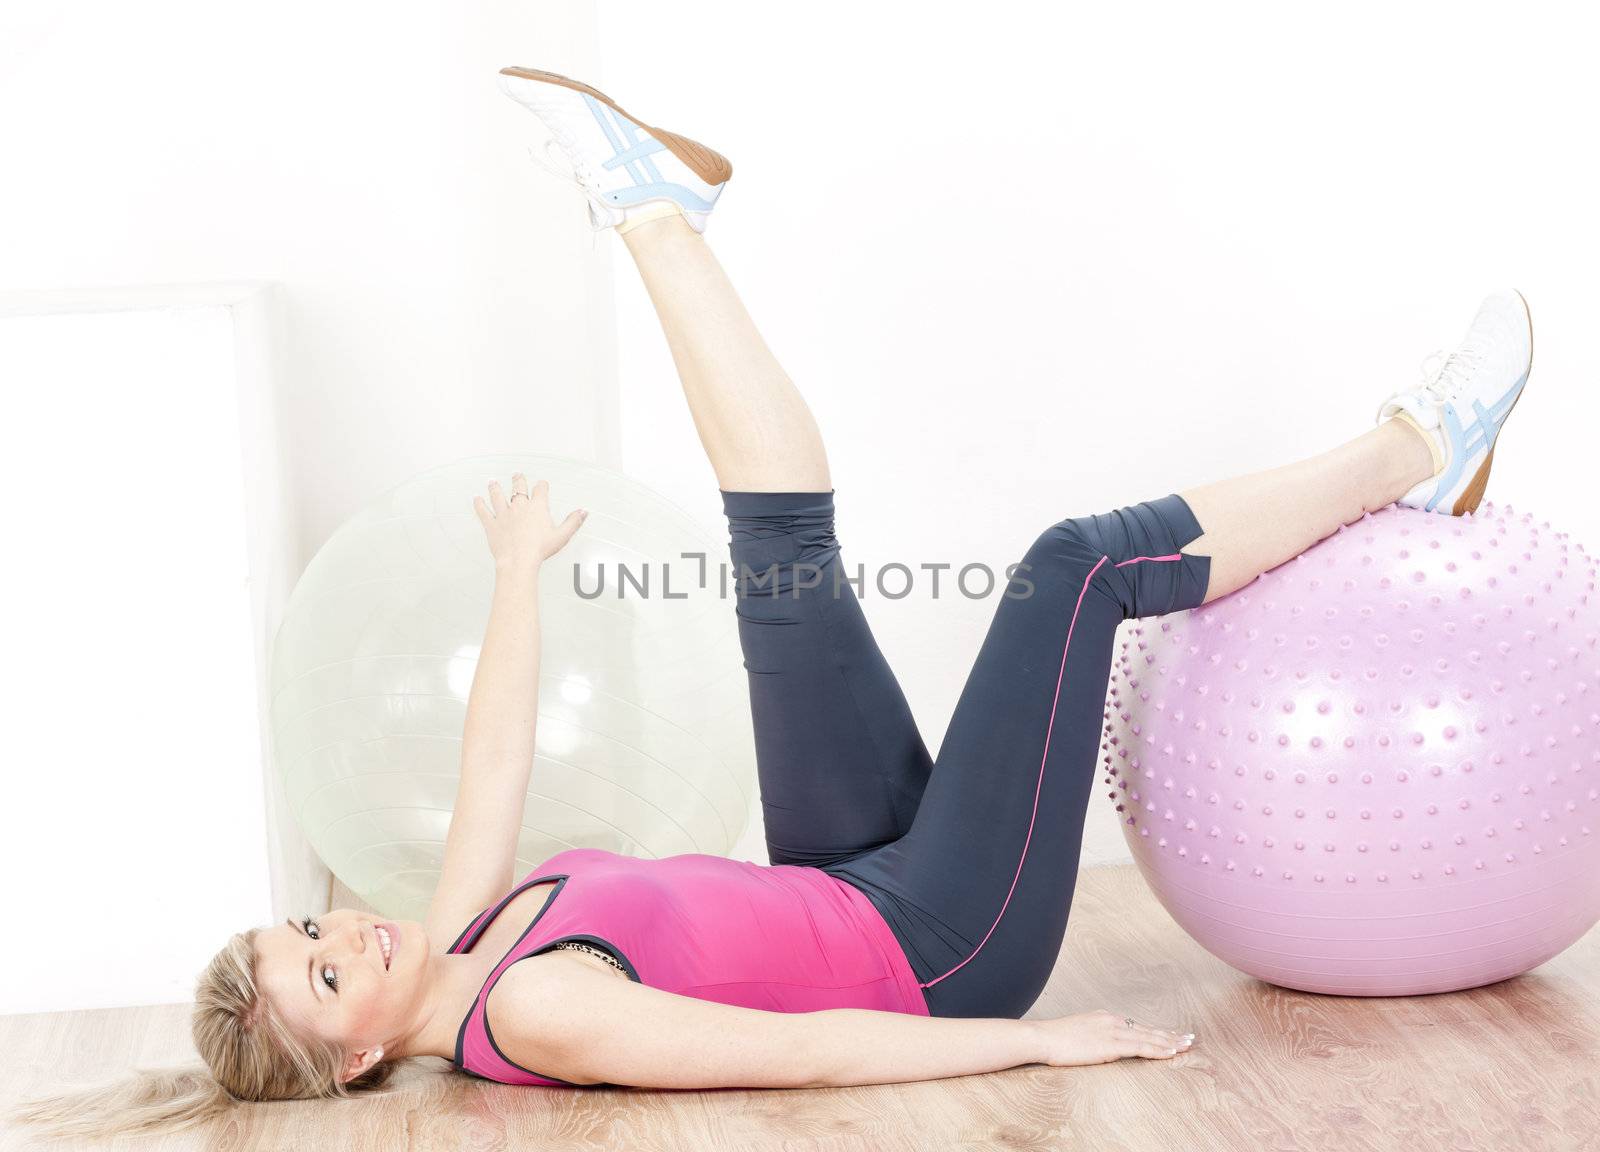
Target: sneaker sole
[1472, 495]
[712, 167]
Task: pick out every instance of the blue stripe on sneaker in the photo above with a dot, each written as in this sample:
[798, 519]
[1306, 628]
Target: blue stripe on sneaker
[639, 151]
[598, 110]
[1485, 421]
[1467, 441]
[631, 136]
[627, 197]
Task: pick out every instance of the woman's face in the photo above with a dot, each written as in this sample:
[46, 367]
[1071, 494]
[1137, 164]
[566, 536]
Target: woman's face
[328, 977]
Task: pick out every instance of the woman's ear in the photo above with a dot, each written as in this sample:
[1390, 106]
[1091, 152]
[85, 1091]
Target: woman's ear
[360, 1062]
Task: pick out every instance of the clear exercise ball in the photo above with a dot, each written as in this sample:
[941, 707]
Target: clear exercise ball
[643, 738]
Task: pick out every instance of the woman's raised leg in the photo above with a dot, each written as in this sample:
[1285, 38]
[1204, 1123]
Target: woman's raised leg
[842, 766]
[752, 420]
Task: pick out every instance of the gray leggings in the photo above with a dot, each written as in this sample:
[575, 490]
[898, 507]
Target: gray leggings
[971, 859]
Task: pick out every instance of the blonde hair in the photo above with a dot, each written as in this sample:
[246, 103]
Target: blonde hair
[248, 1048]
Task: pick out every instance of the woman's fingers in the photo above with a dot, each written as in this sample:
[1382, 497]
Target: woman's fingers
[1161, 1036]
[568, 528]
[1150, 1051]
[1151, 1043]
[536, 499]
[1129, 1023]
[520, 520]
[1148, 1043]
[538, 494]
[1103, 1036]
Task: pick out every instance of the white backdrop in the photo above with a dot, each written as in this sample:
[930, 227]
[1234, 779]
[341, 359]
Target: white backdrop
[134, 823]
[1031, 261]
[435, 303]
[361, 155]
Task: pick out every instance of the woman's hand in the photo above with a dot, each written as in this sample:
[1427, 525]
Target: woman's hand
[1101, 1037]
[518, 526]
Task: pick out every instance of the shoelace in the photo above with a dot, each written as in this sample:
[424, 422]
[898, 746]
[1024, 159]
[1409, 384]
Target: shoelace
[579, 170]
[1443, 375]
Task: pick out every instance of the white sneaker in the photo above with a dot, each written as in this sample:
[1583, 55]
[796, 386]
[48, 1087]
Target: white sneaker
[1482, 381]
[628, 171]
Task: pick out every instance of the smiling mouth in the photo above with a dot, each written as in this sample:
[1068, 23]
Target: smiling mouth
[385, 942]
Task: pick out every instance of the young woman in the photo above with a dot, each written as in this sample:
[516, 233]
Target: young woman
[914, 908]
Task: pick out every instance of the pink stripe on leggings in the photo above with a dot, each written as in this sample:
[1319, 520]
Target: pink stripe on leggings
[1049, 728]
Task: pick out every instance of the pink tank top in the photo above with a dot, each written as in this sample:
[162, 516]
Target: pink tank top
[780, 937]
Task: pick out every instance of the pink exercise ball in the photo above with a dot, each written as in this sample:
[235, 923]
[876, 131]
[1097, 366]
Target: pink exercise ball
[1375, 770]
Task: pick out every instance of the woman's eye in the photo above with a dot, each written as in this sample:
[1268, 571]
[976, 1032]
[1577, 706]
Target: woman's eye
[329, 976]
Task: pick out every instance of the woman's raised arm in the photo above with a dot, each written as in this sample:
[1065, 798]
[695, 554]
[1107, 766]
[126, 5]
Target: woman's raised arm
[588, 1026]
[498, 740]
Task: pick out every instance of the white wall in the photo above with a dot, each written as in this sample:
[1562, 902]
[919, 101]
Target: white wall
[135, 606]
[1031, 261]
[360, 154]
[439, 296]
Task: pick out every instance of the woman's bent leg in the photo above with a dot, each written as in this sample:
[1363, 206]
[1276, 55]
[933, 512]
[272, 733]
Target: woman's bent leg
[1256, 522]
[978, 891]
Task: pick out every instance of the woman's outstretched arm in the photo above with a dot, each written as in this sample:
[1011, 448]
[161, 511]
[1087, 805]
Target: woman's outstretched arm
[498, 740]
[590, 1027]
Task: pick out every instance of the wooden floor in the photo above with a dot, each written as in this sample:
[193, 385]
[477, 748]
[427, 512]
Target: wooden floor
[1513, 1066]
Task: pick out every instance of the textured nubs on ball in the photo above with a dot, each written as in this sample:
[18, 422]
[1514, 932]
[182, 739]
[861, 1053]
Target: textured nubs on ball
[1375, 770]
